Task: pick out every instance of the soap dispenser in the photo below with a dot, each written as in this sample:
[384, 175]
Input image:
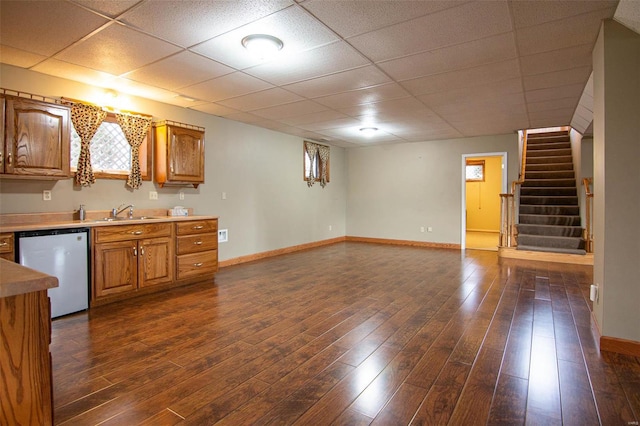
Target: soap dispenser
[81, 212]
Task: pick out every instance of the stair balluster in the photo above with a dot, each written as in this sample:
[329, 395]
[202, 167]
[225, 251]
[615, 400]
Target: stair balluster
[549, 215]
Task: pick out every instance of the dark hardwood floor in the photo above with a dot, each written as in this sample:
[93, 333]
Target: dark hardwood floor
[350, 334]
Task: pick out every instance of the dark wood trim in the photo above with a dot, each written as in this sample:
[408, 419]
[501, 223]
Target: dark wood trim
[620, 346]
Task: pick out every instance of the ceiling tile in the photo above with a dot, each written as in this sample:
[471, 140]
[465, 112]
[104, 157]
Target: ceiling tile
[529, 13]
[372, 14]
[297, 30]
[324, 60]
[573, 90]
[244, 117]
[556, 60]
[192, 69]
[575, 31]
[465, 78]
[562, 115]
[116, 50]
[363, 96]
[553, 104]
[316, 117]
[471, 54]
[474, 94]
[556, 78]
[215, 109]
[19, 58]
[628, 14]
[45, 27]
[198, 21]
[395, 108]
[225, 87]
[75, 72]
[290, 110]
[321, 126]
[262, 99]
[460, 24]
[111, 8]
[341, 82]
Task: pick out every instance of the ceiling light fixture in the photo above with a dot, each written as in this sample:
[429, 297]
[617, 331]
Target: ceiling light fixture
[262, 45]
[369, 131]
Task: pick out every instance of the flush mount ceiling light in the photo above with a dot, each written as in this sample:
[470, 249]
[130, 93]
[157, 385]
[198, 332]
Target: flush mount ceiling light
[369, 131]
[262, 45]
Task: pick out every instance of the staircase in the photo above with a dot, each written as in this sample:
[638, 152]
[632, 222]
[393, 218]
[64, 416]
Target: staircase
[549, 213]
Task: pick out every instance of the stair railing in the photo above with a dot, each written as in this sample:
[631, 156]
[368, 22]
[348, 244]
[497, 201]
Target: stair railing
[509, 203]
[588, 231]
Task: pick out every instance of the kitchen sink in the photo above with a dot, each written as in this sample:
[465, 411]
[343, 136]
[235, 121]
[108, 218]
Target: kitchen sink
[120, 219]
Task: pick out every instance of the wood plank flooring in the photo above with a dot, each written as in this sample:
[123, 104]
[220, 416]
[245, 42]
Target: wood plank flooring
[349, 334]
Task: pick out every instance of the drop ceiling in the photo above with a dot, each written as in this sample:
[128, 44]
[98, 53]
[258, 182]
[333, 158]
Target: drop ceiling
[416, 70]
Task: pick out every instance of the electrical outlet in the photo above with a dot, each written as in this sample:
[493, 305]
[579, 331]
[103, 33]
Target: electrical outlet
[422, 229]
[223, 235]
[181, 195]
[429, 229]
[330, 227]
[224, 195]
[46, 195]
[153, 195]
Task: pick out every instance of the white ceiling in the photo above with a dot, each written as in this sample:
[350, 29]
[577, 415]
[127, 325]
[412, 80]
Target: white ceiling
[417, 70]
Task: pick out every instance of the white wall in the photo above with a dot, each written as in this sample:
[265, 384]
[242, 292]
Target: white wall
[616, 147]
[393, 190]
[268, 204]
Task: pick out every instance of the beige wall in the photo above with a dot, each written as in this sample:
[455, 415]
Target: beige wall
[616, 147]
[483, 198]
[394, 190]
[268, 204]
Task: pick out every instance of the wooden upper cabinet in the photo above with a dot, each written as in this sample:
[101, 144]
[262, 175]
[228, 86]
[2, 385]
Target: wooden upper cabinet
[37, 139]
[179, 154]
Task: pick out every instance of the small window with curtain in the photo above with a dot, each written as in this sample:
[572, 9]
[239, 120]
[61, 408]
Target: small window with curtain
[111, 152]
[316, 159]
[474, 170]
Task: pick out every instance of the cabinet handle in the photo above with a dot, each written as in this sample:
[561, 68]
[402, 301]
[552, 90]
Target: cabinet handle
[197, 243]
[136, 232]
[1, 157]
[197, 265]
[135, 251]
[10, 159]
[4, 243]
[198, 227]
[142, 251]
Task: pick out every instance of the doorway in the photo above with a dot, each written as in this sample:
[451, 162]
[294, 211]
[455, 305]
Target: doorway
[484, 178]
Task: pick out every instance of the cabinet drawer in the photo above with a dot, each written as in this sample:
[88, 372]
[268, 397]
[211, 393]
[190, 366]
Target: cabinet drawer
[6, 243]
[131, 232]
[196, 227]
[197, 243]
[193, 265]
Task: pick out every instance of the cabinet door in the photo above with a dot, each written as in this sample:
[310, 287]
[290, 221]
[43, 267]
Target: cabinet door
[185, 155]
[115, 268]
[37, 138]
[155, 261]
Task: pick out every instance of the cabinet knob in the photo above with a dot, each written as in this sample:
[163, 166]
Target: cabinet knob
[197, 243]
[135, 251]
[136, 232]
[142, 251]
[197, 265]
[10, 159]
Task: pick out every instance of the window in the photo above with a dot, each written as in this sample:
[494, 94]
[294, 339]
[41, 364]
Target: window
[475, 170]
[111, 152]
[312, 158]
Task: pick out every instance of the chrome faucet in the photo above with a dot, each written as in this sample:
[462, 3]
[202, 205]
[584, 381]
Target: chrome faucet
[116, 211]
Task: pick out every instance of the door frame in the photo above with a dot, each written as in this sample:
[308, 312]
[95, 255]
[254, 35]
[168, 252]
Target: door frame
[463, 216]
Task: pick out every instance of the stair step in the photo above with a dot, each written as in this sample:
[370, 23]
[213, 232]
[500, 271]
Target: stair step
[552, 250]
[532, 209]
[546, 219]
[557, 133]
[548, 145]
[551, 242]
[549, 200]
[548, 152]
[548, 167]
[550, 230]
[548, 160]
[549, 174]
[540, 183]
[544, 191]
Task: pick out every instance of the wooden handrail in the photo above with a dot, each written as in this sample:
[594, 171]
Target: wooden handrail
[588, 237]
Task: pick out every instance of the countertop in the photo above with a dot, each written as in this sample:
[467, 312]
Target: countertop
[16, 279]
[40, 221]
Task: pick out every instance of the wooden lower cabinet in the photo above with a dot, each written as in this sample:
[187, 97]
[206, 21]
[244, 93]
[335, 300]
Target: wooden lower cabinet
[6, 247]
[132, 264]
[196, 249]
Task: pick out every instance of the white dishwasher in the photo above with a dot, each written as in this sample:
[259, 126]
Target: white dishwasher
[63, 253]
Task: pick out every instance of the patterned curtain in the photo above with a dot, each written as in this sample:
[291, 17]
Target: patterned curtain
[311, 149]
[323, 152]
[86, 119]
[135, 128]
